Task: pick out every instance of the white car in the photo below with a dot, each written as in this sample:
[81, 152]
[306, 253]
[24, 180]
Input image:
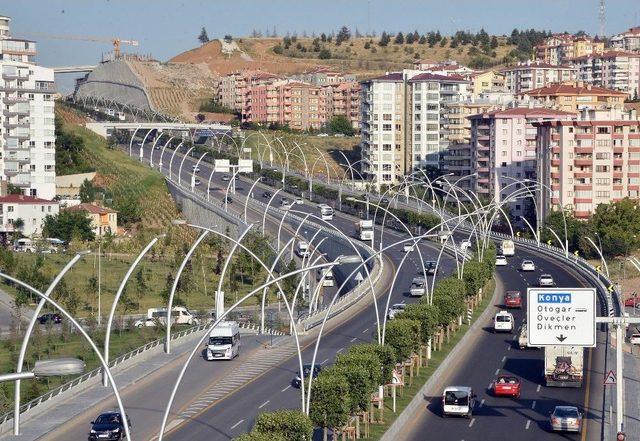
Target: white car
[225, 177]
[407, 247]
[418, 287]
[322, 135]
[145, 323]
[465, 244]
[195, 169]
[197, 182]
[501, 261]
[395, 310]
[634, 339]
[528, 265]
[546, 280]
[503, 322]
[298, 201]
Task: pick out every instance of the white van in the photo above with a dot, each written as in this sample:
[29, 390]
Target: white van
[224, 341]
[179, 316]
[24, 245]
[328, 276]
[326, 212]
[458, 400]
[302, 249]
[418, 287]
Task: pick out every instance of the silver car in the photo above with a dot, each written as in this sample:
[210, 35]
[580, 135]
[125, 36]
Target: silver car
[546, 280]
[566, 419]
[395, 310]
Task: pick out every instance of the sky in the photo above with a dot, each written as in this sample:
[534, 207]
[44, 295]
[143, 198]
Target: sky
[167, 27]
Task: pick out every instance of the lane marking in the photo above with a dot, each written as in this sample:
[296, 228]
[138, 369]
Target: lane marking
[533, 405]
[353, 339]
[481, 403]
[236, 424]
[538, 388]
[285, 388]
[509, 348]
[339, 350]
[586, 395]
[325, 361]
[504, 357]
[365, 331]
[497, 370]
[473, 420]
[263, 404]
[490, 385]
[528, 424]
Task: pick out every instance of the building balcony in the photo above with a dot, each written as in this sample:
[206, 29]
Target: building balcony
[583, 187]
[581, 214]
[582, 200]
[634, 161]
[555, 149]
[555, 175]
[584, 136]
[555, 162]
[12, 75]
[12, 99]
[618, 174]
[482, 148]
[483, 169]
[619, 162]
[583, 161]
[581, 174]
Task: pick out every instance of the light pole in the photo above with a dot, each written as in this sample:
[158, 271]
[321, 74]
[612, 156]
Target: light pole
[181, 164]
[250, 195]
[171, 160]
[132, 138]
[48, 368]
[195, 170]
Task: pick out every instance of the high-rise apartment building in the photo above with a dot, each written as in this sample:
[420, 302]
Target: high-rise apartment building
[27, 139]
[559, 48]
[592, 160]
[613, 69]
[534, 74]
[627, 41]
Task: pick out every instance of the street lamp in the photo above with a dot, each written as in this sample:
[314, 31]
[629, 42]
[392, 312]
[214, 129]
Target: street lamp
[59, 367]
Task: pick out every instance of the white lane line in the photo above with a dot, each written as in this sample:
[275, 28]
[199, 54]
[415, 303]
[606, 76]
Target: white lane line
[353, 339]
[509, 348]
[533, 405]
[325, 361]
[339, 350]
[473, 420]
[481, 403]
[504, 357]
[285, 388]
[365, 331]
[263, 404]
[528, 424]
[515, 337]
[403, 302]
[538, 388]
[490, 385]
[236, 424]
[497, 370]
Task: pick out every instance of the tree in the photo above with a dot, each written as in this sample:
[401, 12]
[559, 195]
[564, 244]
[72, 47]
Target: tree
[343, 35]
[340, 124]
[399, 38]
[128, 210]
[18, 224]
[410, 39]
[618, 226]
[292, 425]
[324, 54]
[360, 388]
[258, 436]
[448, 296]
[494, 42]
[68, 224]
[330, 402]
[203, 37]
[384, 39]
[403, 336]
[87, 191]
[323, 37]
[427, 315]
[385, 354]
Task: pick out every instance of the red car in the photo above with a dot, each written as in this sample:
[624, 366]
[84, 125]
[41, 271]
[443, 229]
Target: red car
[513, 299]
[632, 301]
[506, 386]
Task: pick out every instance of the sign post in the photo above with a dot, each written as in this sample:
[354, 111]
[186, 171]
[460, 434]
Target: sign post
[561, 317]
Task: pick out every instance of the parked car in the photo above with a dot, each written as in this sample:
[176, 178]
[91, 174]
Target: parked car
[506, 386]
[395, 309]
[503, 322]
[634, 339]
[501, 260]
[632, 302]
[50, 317]
[323, 135]
[197, 182]
[566, 419]
[307, 370]
[338, 135]
[527, 265]
[384, 201]
[145, 323]
[108, 426]
[546, 280]
[512, 299]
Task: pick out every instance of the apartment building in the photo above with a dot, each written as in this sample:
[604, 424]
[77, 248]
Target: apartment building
[488, 81]
[383, 128]
[627, 41]
[574, 96]
[592, 160]
[535, 74]
[429, 94]
[29, 209]
[27, 135]
[233, 88]
[613, 70]
[560, 48]
[503, 150]
[448, 67]
[344, 99]
[324, 76]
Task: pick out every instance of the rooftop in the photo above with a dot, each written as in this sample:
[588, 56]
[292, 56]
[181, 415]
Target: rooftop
[91, 208]
[436, 77]
[526, 112]
[23, 199]
[573, 89]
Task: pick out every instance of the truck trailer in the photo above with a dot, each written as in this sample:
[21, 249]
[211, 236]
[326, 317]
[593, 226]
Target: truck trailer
[563, 366]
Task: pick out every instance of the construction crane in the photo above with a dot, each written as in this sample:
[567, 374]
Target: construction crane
[116, 42]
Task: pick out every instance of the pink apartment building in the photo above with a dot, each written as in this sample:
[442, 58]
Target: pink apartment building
[503, 150]
[589, 161]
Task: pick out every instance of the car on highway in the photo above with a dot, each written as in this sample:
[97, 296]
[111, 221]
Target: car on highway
[418, 287]
[633, 302]
[384, 201]
[634, 339]
[566, 419]
[197, 182]
[226, 177]
[458, 400]
[307, 370]
[227, 200]
[503, 322]
[407, 247]
[195, 169]
[512, 299]
[527, 265]
[395, 310]
[298, 201]
[465, 244]
[501, 260]
[322, 135]
[267, 195]
[50, 317]
[431, 267]
[108, 426]
[546, 280]
[145, 323]
[506, 386]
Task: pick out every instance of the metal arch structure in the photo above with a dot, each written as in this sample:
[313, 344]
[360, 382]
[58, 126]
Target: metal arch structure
[193, 172]
[162, 152]
[184, 157]
[131, 140]
[142, 143]
[172, 155]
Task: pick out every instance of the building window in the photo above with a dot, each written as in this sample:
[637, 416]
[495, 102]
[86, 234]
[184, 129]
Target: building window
[9, 208]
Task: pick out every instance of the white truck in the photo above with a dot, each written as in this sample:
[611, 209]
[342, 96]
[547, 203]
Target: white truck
[224, 341]
[364, 230]
[328, 276]
[563, 366]
[508, 248]
[179, 316]
[302, 249]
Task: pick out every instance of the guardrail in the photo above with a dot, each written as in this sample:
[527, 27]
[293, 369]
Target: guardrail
[7, 418]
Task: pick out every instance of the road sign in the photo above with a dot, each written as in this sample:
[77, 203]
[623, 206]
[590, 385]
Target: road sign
[561, 316]
[610, 378]
[221, 166]
[245, 165]
[359, 278]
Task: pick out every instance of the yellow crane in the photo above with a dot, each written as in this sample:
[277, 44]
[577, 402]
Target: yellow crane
[116, 42]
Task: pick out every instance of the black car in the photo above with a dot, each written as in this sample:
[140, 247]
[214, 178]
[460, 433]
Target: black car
[227, 199]
[50, 317]
[384, 201]
[430, 267]
[267, 195]
[306, 369]
[108, 426]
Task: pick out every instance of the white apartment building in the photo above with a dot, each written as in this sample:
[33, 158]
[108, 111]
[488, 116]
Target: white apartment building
[613, 70]
[627, 41]
[534, 75]
[27, 130]
[29, 209]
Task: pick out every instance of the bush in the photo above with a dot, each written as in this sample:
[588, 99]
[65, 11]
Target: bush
[257, 436]
[68, 225]
[292, 425]
[324, 54]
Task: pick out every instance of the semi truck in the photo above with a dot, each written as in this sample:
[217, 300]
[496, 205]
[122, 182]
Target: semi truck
[364, 230]
[563, 366]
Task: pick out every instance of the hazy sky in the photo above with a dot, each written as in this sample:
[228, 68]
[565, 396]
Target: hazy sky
[167, 27]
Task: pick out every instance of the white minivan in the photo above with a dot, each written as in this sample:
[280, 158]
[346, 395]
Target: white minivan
[179, 316]
[328, 276]
[326, 212]
[302, 249]
[224, 341]
[458, 400]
